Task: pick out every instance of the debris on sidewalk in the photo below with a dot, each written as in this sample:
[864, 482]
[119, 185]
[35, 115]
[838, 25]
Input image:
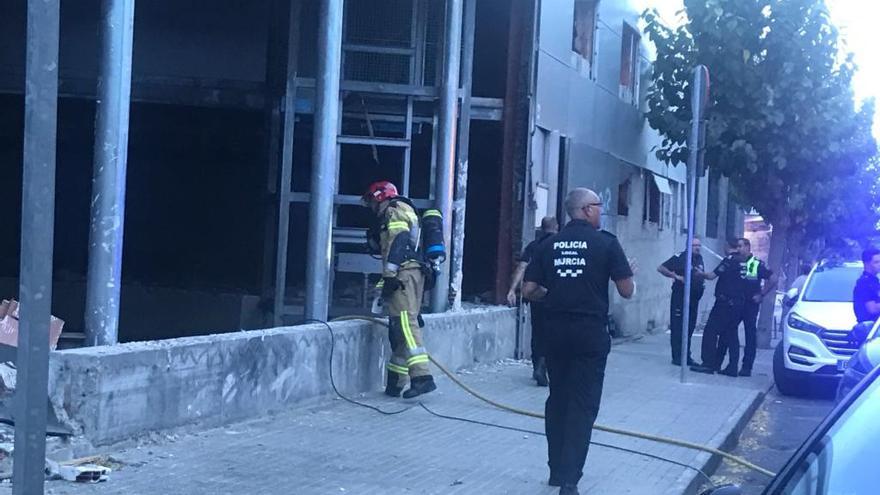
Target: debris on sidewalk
[85, 470]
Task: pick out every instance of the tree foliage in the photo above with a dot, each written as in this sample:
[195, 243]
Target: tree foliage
[782, 122]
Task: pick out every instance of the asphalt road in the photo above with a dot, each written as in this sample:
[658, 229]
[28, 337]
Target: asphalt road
[776, 430]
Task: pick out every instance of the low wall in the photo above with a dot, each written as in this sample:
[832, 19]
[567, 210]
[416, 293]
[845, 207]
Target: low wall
[108, 394]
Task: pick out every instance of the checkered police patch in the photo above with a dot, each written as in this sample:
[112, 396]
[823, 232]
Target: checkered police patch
[569, 273]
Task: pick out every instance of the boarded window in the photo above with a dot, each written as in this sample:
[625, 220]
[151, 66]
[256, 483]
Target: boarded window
[629, 64]
[653, 200]
[623, 199]
[584, 29]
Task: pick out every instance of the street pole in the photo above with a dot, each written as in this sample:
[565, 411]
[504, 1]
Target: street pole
[111, 164]
[37, 239]
[698, 97]
[446, 139]
[324, 164]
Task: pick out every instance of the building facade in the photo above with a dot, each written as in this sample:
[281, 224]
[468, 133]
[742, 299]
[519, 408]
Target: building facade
[223, 132]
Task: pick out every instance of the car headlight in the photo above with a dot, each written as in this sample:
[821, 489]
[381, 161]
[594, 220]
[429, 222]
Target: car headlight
[799, 323]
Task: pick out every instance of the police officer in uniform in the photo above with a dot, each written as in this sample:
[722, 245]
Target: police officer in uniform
[754, 272]
[726, 313]
[549, 227]
[570, 273]
[674, 268]
[866, 294]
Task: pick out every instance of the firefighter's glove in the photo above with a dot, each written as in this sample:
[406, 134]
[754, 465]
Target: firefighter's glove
[390, 286]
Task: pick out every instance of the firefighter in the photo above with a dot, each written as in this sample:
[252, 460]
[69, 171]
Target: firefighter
[571, 273]
[403, 284]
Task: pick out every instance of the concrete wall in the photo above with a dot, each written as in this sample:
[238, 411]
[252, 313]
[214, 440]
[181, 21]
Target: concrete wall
[109, 394]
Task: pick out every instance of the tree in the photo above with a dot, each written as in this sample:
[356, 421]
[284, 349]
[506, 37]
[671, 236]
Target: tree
[782, 123]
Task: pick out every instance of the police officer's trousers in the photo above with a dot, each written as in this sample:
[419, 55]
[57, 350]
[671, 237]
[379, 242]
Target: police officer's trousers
[721, 333]
[408, 354]
[577, 350]
[749, 316]
[539, 331]
[750, 324]
[676, 320]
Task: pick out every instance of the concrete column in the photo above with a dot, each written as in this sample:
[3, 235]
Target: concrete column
[446, 140]
[37, 244]
[108, 183]
[461, 172]
[324, 160]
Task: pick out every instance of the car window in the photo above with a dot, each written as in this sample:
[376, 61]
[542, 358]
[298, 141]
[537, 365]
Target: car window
[832, 284]
[843, 461]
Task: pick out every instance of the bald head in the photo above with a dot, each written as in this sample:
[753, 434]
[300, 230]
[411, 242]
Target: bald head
[584, 204]
[549, 224]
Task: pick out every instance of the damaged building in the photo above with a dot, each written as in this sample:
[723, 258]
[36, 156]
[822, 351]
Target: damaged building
[489, 110]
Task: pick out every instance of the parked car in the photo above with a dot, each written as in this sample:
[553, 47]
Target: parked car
[866, 359]
[839, 456]
[816, 344]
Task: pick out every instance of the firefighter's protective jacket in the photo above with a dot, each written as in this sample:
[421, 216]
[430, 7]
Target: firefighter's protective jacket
[398, 237]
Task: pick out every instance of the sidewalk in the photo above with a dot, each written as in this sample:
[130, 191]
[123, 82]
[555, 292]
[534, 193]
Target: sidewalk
[335, 447]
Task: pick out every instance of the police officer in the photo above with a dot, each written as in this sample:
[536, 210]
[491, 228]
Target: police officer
[570, 274]
[403, 283]
[866, 293]
[754, 272]
[726, 313]
[674, 268]
[549, 227]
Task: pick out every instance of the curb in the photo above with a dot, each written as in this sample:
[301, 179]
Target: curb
[691, 481]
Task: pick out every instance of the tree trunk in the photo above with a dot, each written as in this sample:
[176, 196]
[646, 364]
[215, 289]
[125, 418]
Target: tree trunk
[778, 242]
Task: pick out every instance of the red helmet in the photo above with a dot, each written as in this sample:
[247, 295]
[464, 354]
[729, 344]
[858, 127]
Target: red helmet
[380, 191]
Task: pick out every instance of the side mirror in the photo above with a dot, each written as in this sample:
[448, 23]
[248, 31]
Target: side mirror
[724, 490]
[792, 293]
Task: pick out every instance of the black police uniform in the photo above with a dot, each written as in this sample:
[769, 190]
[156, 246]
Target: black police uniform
[575, 267]
[752, 282]
[721, 328]
[676, 265]
[538, 344]
[867, 289]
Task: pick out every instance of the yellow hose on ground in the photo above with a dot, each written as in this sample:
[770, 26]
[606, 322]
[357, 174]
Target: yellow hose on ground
[608, 429]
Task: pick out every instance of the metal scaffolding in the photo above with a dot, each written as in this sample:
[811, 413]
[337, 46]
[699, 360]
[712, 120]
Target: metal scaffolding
[400, 81]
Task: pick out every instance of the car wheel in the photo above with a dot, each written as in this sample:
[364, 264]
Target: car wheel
[787, 381]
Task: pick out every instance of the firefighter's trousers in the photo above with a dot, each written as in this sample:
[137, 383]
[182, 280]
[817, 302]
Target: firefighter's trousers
[408, 354]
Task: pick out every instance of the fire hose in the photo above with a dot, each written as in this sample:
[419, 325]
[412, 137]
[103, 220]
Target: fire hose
[608, 429]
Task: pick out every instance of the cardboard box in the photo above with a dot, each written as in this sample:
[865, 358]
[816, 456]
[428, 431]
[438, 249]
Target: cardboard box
[9, 314]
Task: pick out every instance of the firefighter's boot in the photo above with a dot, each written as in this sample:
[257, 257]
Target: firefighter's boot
[420, 385]
[394, 385]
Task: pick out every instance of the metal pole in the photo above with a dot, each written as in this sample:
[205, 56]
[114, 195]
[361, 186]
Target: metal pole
[446, 140]
[37, 238]
[324, 164]
[699, 83]
[108, 183]
[288, 128]
[464, 130]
